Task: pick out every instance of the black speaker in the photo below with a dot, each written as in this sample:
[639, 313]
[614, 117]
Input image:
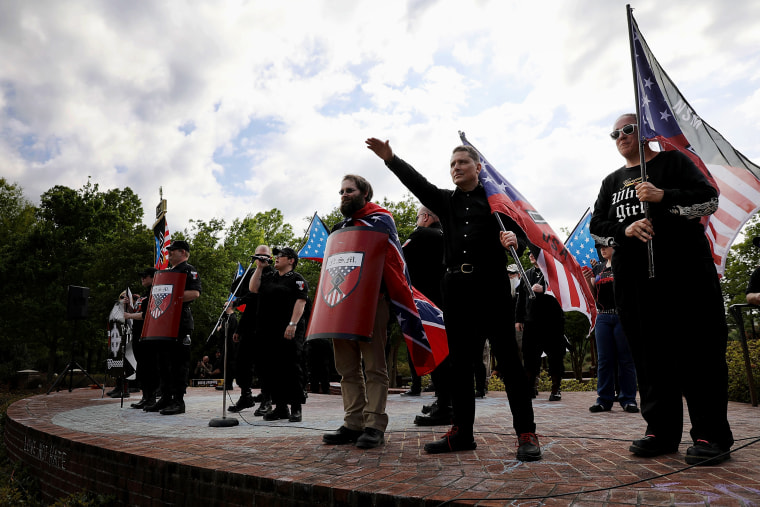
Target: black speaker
[76, 302]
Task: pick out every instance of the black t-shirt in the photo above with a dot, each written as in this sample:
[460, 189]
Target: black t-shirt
[754, 282]
[603, 284]
[423, 253]
[192, 282]
[277, 297]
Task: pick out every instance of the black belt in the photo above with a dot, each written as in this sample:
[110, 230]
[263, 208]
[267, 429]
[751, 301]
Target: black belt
[465, 268]
[608, 312]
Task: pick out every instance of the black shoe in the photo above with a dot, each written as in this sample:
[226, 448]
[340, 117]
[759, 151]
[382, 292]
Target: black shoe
[452, 441]
[631, 407]
[426, 409]
[370, 439]
[117, 394]
[295, 413]
[598, 407]
[411, 392]
[704, 453]
[534, 393]
[242, 403]
[266, 406]
[528, 448]
[115, 391]
[437, 417]
[480, 393]
[555, 396]
[342, 436]
[177, 407]
[650, 446]
[143, 403]
[277, 414]
[162, 403]
[259, 398]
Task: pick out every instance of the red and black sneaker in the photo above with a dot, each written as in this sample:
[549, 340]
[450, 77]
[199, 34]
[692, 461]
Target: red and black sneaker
[452, 441]
[527, 447]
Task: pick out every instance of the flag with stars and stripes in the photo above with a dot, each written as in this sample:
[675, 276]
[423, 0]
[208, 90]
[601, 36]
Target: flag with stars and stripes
[314, 249]
[565, 280]
[667, 118]
[420, 320]
[581, 244]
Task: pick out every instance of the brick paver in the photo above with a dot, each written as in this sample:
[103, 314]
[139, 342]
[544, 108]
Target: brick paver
[81, 440]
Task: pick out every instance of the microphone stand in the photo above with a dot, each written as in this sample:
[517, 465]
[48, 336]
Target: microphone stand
[224, 421]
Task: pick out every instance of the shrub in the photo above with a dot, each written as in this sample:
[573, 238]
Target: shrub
[738, 387]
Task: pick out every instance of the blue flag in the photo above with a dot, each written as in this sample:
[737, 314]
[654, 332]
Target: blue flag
[580, 243]
[314, 249]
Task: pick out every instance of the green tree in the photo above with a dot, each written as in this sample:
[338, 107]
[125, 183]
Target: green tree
[79, 237]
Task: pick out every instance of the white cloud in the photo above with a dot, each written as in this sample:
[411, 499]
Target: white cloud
[238, 107]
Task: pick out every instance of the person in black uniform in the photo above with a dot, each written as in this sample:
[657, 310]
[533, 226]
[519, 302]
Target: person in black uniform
[678, 341]
[147, 373]
[283, 297]
[250, 353]
[423, 252]
[225, 331]
[753, 287]
[174, 354]
[475, 291]
[542, 322]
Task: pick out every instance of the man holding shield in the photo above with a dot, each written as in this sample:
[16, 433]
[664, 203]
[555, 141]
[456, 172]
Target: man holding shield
[364, 402]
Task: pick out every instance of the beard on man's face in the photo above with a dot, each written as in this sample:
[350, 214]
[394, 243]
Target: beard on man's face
[348, 208]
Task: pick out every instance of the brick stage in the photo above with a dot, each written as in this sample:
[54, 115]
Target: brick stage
[76, 440]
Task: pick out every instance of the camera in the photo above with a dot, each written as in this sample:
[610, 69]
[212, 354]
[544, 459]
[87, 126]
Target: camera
[263, 257]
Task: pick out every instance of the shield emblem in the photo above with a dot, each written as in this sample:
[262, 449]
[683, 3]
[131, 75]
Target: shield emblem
[161, 299]
[345, 271]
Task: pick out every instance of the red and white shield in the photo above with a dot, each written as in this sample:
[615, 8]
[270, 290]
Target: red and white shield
[161, 299]
[345, 270]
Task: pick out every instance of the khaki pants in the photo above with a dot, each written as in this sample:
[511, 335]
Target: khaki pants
[364, 402]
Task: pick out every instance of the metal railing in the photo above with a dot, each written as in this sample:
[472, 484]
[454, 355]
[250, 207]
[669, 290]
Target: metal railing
[738, 313]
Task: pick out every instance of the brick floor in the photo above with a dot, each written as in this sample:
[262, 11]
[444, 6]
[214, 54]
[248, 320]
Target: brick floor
[75, 440]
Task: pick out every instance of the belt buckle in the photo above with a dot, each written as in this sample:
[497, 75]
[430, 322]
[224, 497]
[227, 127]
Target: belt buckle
[466, 268]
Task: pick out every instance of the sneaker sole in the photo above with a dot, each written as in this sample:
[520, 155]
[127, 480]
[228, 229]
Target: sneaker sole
[529, 457]
[443, 451]
[650, 453]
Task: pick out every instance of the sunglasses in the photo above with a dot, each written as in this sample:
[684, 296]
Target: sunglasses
[625, 129]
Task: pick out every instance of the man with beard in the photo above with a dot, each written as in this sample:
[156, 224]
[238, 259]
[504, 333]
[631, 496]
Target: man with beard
[364, 403]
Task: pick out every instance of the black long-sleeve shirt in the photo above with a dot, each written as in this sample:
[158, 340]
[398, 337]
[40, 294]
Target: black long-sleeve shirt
[470, 232]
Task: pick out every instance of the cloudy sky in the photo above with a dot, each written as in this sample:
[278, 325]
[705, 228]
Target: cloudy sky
[238, 107]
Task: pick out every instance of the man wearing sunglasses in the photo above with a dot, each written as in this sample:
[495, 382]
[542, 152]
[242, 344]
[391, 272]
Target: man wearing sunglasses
[675, 321]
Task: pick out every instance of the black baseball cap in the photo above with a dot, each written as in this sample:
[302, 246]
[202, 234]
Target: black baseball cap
[287, 252]
[147, 272]
[179, 245]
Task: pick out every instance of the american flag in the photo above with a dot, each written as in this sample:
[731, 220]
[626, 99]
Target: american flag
[314, 249]
[667, 118]
[563, 274]
[581, 244]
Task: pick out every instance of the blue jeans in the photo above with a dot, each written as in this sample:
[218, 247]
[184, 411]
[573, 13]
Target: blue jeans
[611, 349]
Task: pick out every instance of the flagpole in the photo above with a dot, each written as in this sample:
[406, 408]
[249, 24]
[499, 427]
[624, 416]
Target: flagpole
[583, 216]
[520, 269]
[642, 161]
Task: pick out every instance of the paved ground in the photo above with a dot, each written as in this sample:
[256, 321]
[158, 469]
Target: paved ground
[586, 459]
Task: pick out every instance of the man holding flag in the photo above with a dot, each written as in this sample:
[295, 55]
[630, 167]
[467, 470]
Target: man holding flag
[675, 321]
[476, 263]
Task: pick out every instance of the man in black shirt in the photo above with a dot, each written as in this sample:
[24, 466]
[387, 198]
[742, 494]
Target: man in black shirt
[476, 294]
[174, 354]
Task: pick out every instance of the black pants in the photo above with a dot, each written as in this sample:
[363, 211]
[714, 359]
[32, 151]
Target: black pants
[479, 307]
[676, 328]
[547, 336]
[174, 366]
[244, 363]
